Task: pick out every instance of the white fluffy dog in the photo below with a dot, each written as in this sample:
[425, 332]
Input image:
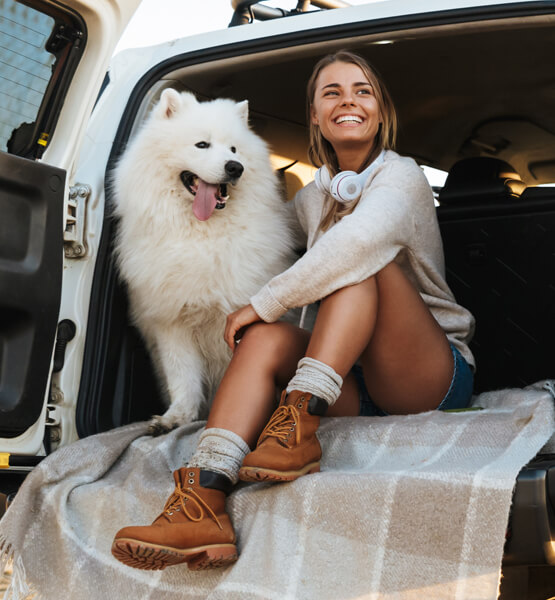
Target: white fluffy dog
[203, 227]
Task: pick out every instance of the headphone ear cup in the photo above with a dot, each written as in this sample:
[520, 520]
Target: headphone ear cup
[346, 186]
[322, 179]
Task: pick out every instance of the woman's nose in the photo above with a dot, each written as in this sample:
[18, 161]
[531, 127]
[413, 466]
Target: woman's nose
[348, 99]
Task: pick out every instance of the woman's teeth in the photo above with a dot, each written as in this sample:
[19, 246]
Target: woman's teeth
[348, 119]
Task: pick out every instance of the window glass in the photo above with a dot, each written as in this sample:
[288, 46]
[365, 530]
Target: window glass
[25, 69]
[436, 178]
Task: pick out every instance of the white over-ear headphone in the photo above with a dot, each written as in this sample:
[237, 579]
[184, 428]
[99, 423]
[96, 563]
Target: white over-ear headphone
[347, 185]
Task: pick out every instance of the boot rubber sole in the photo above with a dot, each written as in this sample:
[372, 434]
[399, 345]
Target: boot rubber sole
[153, 557]
[262, 474]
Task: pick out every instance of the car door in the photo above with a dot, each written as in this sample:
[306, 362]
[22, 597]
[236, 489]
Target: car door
[53, 58]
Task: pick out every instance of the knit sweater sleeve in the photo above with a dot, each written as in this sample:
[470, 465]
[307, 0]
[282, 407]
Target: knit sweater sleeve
[356, 247]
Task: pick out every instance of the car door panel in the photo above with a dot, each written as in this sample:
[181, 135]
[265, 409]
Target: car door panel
[31, 253]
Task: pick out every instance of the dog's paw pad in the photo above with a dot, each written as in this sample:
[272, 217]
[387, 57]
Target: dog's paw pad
[158, 426]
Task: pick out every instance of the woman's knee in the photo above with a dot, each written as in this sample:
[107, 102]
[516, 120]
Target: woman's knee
[267, 338]
[362, 291]
[275, 346]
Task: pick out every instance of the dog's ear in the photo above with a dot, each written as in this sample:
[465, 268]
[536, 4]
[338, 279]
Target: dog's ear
[243, 110]
[169, 103]
[172, 101]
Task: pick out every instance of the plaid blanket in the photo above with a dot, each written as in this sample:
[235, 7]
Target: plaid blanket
[406, 507]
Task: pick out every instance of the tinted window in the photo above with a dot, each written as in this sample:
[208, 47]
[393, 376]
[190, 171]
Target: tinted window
[25, 66]
[37, 50]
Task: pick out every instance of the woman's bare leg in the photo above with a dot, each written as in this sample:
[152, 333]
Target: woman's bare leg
[408, 364]
[265, 358]
[405, 355]
[343, 328]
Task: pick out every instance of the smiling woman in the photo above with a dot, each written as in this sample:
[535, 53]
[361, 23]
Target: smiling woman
[347, 114]
[353, 118]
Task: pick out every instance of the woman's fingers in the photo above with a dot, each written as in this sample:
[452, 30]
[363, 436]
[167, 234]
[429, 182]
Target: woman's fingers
[231, 329]
[236, 323]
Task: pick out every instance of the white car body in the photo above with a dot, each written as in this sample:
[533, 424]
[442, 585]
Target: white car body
[83, 143]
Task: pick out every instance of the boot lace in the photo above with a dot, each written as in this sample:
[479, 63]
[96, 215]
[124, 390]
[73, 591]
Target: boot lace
[178, 501]
[284, 420]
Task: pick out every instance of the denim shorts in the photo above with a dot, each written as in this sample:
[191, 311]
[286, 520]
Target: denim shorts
[458, 395]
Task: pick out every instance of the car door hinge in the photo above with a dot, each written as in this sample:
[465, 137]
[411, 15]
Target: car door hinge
[74, 235]
[62, 35]
[53, 415]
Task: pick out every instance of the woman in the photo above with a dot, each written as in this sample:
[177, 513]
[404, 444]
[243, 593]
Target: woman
[389, 337]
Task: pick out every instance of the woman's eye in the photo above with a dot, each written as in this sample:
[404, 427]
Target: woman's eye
[202, 145]
[233, 149]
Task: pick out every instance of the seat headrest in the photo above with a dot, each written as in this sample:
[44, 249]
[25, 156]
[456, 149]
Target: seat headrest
[481, 177]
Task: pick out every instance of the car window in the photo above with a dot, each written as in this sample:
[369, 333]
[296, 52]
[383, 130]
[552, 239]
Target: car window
[436, 178]
[34, 54]
[25, 67]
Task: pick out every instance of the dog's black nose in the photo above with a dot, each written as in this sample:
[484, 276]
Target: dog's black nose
[234, 169]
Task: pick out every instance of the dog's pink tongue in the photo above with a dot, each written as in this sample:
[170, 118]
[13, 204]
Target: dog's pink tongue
[205, 200]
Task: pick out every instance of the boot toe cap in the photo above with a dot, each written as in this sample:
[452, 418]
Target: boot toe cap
[139, 533]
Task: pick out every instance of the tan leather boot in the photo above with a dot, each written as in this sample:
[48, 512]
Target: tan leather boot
[288, 446]
[193, 527]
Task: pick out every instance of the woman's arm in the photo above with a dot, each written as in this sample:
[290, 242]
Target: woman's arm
[238, 320]
[357, 247]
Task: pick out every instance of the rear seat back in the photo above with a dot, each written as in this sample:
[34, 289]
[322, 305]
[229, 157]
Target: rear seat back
[500, 257]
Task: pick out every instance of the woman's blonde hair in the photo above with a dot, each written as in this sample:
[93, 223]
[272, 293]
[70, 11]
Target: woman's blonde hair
[321, 152]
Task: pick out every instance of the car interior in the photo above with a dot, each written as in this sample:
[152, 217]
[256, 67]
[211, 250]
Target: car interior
[475, 99]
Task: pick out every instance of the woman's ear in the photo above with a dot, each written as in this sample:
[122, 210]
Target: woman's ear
[313, 115]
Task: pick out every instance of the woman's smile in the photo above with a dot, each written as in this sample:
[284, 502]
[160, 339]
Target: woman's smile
[348, 120]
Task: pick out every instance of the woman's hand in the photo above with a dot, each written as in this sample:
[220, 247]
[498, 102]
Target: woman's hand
[236, 323]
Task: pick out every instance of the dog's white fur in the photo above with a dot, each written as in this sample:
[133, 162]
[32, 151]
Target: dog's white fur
[184, 276]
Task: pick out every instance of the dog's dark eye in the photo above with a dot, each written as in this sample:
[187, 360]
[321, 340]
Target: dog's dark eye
[202, 145]
[233, 149]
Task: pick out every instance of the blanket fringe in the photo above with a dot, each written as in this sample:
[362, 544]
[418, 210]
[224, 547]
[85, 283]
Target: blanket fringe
[18, 588]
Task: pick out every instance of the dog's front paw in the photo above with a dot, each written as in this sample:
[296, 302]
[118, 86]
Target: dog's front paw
[173, 418]
[160, 424]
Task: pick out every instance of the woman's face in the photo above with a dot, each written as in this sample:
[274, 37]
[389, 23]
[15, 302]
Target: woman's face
[345, 109]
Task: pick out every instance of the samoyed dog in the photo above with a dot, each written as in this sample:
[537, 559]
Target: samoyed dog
[202, 227]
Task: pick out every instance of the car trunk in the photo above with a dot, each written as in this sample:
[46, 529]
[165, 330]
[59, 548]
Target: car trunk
[467, 84]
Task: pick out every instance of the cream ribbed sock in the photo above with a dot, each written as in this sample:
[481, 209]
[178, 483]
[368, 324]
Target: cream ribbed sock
[317, 378]
[220, 451]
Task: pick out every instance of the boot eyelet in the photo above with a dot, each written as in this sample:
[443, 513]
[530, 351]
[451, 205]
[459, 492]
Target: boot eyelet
[191, 473]
[191, 481]
[300, 405]
[292, 428]
[170, 513]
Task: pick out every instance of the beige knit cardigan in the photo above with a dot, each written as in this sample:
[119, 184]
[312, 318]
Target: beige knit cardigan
[395, 220]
